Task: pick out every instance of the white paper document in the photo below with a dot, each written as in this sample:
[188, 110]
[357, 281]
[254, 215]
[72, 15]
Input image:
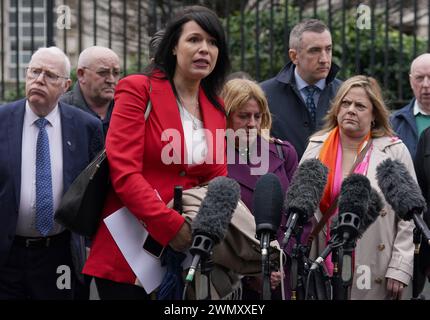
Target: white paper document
[130, 235]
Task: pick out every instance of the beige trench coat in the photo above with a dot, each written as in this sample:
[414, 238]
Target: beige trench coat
[386, 249]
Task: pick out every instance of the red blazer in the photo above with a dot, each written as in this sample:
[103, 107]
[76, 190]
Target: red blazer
[134, 147]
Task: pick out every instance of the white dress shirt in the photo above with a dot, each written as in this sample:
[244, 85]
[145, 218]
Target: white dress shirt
[195, 138]
[26, 225]
[418, 109]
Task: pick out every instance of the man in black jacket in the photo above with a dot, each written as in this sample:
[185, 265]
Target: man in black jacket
[299, 96]
[98, 73]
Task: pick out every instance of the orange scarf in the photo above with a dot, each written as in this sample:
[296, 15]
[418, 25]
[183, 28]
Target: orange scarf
[328, 156]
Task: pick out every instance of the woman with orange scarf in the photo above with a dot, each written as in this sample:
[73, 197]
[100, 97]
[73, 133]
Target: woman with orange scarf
[357, 127]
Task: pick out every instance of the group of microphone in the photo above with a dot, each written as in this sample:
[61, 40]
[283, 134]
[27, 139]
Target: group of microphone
[359, 205]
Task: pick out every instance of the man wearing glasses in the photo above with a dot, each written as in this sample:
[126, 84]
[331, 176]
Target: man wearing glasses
[410, 121]
[98, 73]
[44, 145]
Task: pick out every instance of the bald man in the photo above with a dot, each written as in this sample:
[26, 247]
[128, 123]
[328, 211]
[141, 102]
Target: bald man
[410, 121]
[98, 73]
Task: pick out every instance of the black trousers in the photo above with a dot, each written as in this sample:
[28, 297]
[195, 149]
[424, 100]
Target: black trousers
[38, 269]
[111, 290]
[82, 289]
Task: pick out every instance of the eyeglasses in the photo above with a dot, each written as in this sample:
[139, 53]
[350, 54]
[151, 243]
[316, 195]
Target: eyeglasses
[34, 73]
[420, 78]
[104, 73]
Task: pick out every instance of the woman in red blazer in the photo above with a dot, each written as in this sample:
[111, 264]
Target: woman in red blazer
[176, 145]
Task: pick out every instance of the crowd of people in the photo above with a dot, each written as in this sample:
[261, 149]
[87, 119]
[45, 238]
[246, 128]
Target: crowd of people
[305, 112]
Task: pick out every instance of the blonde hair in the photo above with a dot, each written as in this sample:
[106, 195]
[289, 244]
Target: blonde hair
[381, 126]
[237, 92]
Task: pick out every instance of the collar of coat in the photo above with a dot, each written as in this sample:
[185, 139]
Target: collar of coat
[379, 143]
[242, 172]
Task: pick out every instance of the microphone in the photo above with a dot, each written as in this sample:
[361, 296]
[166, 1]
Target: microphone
[375, 207]
[304, 194]
[366, 219]
[267, 210]
[402, 193]
[267, 207]
[353, 205]
[212, 221]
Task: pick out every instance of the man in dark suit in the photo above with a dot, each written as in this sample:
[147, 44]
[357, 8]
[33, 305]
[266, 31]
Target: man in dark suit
[44, 145]
[299, 96]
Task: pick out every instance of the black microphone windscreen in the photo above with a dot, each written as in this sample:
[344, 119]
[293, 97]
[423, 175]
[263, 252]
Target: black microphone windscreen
[306, 188]
[267, 202]
[354, 195]
[217, 208]
[375, 207]
[399, 189]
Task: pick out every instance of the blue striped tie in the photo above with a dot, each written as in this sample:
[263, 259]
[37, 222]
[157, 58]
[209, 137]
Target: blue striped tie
[310, 102]
[44, 198]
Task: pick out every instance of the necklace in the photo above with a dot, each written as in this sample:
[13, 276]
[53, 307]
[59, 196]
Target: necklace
[243, 152]
[190, 115]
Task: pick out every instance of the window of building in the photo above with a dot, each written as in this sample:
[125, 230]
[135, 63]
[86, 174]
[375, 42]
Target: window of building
[22, 49]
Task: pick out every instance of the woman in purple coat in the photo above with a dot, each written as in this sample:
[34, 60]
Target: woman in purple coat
[252, 152]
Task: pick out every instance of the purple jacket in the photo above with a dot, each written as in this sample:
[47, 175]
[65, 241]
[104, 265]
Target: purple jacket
[283, 168]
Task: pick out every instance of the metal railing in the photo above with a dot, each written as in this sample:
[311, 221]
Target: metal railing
[380, 38]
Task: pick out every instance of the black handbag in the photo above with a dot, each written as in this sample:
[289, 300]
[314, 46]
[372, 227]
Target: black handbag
[81, 206]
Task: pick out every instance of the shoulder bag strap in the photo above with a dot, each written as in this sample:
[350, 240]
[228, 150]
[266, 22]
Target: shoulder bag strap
[279, 150]
[149, 104]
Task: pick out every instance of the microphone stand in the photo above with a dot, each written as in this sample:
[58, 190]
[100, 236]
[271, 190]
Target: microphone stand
[265, 243]
[206, 266]
[336, 283]
[299, 268]
[202, 250]
[418, 279]
[321, 286]
[421, 225]
[346, 269]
